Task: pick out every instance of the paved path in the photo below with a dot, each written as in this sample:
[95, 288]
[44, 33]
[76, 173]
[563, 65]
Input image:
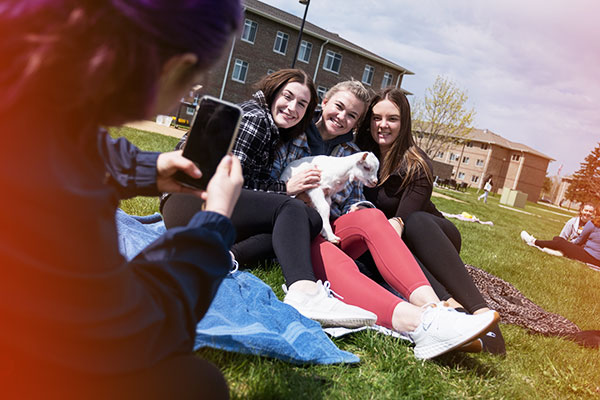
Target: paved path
[151, 126]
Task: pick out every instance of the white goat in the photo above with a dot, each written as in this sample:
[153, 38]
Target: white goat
[335, 173]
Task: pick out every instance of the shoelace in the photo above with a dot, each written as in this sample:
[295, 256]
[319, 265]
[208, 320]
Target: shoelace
[427, 316]
[235, 265]
[329, 290]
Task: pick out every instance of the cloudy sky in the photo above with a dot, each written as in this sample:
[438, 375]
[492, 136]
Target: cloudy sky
[530, 68]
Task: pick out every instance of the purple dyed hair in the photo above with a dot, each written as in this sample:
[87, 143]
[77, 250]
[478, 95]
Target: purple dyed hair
[103, 58]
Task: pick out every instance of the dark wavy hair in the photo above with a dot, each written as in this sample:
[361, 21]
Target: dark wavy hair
[404, 155]
[102, 59]
[270, 86]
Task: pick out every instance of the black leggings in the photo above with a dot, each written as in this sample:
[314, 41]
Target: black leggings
[568, 249]
[266, 224]
[436, 242]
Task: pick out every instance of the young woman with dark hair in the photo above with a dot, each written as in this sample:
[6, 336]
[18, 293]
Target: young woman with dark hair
[268, 221]
[78, 320]
[404, 196]
[434, 327]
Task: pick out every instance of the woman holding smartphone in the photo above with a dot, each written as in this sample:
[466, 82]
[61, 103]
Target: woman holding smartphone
[404, 195]
[434, 327]
[266, 219]
[79, 321]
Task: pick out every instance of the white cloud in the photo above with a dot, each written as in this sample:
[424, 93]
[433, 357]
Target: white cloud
[529, 67]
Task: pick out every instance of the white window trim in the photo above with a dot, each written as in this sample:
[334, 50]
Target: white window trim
[391, 80]
[299, 51]
[255, 31]
[372, 73]
[241, 62]
[333, 53]
[283, 34]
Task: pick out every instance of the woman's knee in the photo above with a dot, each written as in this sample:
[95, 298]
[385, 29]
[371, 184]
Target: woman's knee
[179, 208]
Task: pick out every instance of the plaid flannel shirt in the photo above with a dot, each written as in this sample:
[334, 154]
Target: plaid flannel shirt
[255, 145]
[298, 148]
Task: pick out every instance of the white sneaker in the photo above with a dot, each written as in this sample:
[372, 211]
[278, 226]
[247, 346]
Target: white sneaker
[528, 239]
[443, 329]
[322, 307]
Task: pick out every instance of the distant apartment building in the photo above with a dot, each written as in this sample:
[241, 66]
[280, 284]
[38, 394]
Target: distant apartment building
[268, 42]
[512, 165]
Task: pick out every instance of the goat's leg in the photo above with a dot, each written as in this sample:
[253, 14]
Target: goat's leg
[322, 206]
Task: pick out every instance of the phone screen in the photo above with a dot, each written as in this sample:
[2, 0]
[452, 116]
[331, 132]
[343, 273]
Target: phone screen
[210, 138]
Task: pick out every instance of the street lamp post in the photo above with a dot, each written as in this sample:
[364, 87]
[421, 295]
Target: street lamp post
[307, 3]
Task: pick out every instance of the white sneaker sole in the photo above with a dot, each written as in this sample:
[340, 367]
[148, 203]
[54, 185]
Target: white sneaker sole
[437, 349]
[344, 322]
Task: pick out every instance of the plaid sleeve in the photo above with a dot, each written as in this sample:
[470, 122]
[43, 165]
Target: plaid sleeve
[254, 148]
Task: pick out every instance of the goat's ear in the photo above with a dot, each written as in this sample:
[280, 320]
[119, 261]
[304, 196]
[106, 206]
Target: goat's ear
[364, 157]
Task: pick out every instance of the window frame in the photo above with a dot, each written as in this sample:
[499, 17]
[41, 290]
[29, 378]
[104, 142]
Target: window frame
[330, 54]
[370, 71]
[243, 65]
[387, 76]
[304, 44]
[252, 24]
[281, 37]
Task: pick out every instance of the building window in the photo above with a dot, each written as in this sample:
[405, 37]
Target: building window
[474, 179]
[465, 160]
[305, 51]
[440, 154]
[367, 78]
[249, 32]
[461, 175]
[387, 80]
[479, 163]
[469, 144]
[321, 92]
[333, 62]
[484, 146]
[515, 157]
[240, 70]
[281, 42]
[190, 110]
[453, 157]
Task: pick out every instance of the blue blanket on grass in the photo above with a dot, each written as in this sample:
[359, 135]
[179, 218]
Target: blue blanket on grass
[245, 315]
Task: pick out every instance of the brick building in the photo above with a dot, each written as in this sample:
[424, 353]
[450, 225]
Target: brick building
[267, 43]
[512, 165]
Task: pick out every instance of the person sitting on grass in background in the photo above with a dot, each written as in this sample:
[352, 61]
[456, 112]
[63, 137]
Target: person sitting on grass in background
[79, 321]
[573, 227]
[434, 327]
[267, 220]
[585, 248]
[404, 195]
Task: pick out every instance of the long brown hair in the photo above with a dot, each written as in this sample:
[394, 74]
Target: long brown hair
[271, 84]
[404, 153]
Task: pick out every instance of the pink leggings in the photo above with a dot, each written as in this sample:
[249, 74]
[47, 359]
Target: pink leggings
[359, 231]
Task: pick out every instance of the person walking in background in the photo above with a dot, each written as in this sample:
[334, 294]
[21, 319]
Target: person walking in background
[78, 320]
[487, 188]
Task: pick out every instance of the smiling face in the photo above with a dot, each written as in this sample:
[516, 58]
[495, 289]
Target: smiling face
[385, 124]
[340, 114]
[289, 105]
[587, 213]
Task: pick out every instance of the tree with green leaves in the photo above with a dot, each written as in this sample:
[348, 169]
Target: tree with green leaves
[585, 185]
[441, 118]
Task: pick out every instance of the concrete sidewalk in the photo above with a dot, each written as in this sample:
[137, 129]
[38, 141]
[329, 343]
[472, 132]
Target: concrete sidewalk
[151, 126]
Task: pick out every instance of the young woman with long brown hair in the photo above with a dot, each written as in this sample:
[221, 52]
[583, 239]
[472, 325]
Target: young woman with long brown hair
[404, 195]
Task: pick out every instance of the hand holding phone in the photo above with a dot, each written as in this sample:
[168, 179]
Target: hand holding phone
[210, 138]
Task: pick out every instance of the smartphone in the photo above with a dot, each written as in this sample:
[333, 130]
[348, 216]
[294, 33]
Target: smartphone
[211, 137]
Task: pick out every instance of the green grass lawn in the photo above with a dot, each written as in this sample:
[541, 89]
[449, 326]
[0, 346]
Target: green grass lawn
[535, 367]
